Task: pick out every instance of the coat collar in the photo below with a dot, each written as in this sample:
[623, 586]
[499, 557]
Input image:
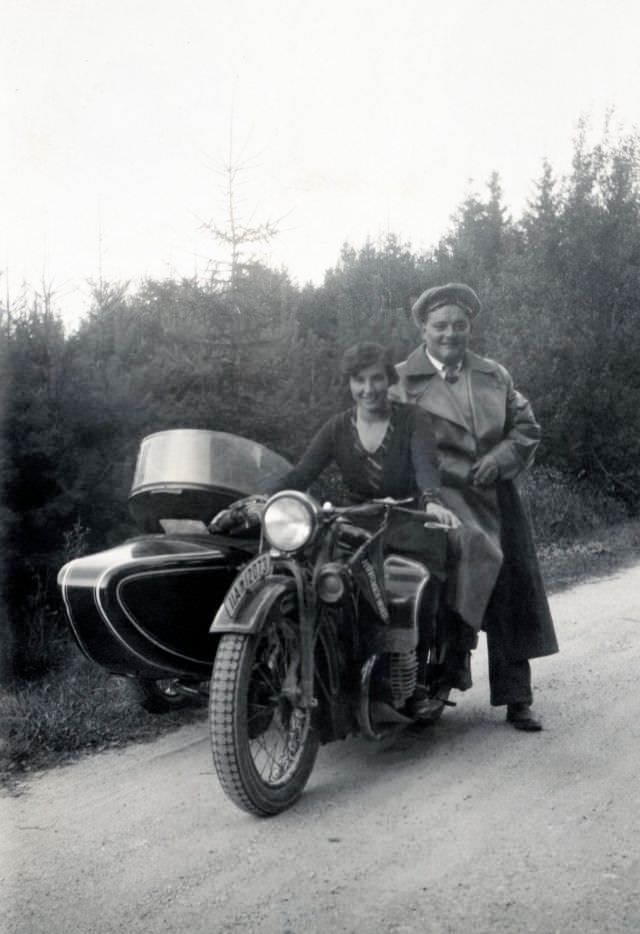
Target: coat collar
[421, 377]
[419, 365]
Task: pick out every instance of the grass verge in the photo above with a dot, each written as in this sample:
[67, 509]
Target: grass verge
[604, 551]
[82, 709]
[77, 710]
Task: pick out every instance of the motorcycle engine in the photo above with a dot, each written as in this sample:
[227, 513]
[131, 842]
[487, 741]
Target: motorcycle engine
[403, 676]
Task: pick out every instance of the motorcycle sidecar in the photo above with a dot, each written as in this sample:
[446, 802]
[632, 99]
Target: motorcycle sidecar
[144, 608]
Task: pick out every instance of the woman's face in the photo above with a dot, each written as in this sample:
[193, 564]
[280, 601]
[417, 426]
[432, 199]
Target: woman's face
[369, 388]
[446, 333]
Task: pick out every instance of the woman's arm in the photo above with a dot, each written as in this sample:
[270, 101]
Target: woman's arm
[318, 455]
[424, 454]
[424, 451]
[246, 512]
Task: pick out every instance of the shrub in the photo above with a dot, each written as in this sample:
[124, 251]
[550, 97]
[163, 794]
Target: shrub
[562, 509]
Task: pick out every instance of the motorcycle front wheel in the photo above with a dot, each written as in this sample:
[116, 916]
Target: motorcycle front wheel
[264, 744]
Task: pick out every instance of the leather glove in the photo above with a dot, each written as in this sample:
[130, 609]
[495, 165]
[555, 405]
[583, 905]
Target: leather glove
[243, 514]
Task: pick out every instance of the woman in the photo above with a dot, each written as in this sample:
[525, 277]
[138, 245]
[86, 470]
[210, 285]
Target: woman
[381, 448]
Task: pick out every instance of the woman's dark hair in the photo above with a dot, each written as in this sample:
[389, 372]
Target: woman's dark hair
[366, 354]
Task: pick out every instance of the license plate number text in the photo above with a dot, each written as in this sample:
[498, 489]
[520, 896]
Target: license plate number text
[250, 575]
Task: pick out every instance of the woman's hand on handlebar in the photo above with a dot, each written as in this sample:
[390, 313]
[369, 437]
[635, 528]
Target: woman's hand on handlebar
[437, 513]
[245, 513]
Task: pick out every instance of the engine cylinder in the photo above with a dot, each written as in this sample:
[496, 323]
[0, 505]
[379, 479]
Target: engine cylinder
[403, 676]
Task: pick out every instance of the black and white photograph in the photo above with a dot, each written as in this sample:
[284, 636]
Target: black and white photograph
[320, 467]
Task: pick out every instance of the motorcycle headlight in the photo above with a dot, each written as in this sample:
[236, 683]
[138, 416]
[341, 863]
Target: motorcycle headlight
[290, 520]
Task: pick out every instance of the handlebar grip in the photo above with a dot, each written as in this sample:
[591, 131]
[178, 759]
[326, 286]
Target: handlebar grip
[365, 509]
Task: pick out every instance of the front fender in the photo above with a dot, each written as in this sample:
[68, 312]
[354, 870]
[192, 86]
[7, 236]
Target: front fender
[253, 609]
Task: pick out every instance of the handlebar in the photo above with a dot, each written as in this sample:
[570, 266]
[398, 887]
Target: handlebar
[375, 506]
[372, 507]
[385, 506]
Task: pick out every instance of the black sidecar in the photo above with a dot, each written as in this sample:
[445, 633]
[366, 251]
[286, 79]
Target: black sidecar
[143, 608]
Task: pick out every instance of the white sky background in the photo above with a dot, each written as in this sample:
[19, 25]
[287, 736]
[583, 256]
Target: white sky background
[356, 118]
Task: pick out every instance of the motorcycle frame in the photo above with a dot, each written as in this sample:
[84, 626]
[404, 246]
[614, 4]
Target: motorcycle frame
[258, 601]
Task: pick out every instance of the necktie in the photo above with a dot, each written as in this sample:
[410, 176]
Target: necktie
[451, 374]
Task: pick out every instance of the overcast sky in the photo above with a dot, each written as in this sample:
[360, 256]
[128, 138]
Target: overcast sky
[354, 118]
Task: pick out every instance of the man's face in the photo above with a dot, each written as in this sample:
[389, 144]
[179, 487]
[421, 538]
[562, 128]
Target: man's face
[446, 333]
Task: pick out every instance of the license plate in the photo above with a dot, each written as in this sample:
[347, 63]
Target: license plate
[250, 575]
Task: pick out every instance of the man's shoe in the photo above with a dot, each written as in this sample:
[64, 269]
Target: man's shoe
[521, 717]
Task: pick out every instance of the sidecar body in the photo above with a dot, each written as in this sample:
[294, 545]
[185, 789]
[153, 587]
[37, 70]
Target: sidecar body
[144, 608]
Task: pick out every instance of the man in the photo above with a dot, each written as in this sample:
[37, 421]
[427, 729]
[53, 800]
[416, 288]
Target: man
[486, 435]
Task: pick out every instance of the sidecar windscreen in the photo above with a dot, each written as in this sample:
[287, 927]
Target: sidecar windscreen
[189, 473]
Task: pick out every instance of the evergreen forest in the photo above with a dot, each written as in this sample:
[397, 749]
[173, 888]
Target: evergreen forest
[253, 353]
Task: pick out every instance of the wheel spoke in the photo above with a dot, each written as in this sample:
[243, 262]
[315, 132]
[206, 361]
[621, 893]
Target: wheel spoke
[257, 711]
[272, 744]
[272, 757]
[268, 682]
[275, 750]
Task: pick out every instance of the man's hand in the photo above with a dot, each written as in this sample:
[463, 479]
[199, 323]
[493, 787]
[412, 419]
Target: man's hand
[485, 471]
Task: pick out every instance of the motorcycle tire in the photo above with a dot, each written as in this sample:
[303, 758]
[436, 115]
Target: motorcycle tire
[264, 746]
[163, 696]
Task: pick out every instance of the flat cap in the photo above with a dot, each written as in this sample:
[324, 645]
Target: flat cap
[453, 293]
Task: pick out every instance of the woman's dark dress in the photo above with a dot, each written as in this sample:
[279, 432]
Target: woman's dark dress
[405, 464]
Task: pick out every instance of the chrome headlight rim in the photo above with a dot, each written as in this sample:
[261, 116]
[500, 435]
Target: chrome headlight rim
[290, 521]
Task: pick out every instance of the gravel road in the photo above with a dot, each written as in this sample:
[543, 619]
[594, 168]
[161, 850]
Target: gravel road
[469, 827]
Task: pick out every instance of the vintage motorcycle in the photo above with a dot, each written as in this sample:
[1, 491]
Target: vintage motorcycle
[328, 631]
[144, 608]
[303, 623]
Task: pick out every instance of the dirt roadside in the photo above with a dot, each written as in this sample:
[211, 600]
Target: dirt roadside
[471, 826]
